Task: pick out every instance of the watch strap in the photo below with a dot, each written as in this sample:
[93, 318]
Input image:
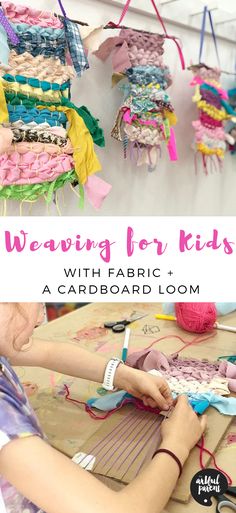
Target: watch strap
[109, 375]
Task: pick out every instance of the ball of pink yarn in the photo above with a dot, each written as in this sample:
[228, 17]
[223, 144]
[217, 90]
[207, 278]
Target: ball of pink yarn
[196, 317]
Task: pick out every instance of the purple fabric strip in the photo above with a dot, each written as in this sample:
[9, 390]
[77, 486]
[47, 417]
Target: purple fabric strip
[62, 8]
[8, 28]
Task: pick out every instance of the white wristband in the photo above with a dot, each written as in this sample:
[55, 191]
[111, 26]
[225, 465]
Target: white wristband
[109, 375]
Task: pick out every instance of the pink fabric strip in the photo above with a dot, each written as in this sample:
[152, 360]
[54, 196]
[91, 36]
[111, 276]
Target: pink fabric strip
[120, 60]
[228, 369]
[172, 148]
[6, 136]
[23, 14]
[96, 190]
[129, 119]
[27, 168]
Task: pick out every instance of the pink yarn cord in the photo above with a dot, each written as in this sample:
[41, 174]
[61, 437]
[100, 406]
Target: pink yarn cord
[123, 14]
[137, 403]
[195, 340]
[203, 449]
[87, 408]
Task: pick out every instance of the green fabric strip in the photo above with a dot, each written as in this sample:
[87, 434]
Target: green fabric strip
[32, 192]
[90, 122]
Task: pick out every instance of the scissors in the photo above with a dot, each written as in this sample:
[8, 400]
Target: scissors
[224, 502]
[119, 326]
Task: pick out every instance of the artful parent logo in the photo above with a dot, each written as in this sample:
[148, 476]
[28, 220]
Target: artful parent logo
[206, 484]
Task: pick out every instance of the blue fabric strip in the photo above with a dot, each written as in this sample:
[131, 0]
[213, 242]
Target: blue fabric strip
[199, 402]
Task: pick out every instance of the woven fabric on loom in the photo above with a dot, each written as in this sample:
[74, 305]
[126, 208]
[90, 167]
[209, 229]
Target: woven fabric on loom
[46, 141]
[146, 117]
[186, 375]
[211, 100]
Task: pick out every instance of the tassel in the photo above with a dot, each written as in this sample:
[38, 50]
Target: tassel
[125, 145]
[116, 130]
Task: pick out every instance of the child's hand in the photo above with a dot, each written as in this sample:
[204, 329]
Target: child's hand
[154, 391]
[182, 430]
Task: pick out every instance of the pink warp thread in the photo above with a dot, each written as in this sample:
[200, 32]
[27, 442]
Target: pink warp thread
[132, 400]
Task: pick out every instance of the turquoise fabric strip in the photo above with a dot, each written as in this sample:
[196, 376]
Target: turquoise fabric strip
[34, 82]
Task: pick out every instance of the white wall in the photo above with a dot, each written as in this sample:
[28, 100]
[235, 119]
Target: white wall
[173, 189]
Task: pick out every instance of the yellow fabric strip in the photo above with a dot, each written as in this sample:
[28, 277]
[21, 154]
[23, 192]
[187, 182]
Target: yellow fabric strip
[210, 151]
[4, 118]
[28, 90]
[171, 116]
[86, 161]
[212, 111]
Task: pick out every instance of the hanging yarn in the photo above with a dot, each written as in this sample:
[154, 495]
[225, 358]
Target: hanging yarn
[196, 317]
[51, 140]
[146, 118]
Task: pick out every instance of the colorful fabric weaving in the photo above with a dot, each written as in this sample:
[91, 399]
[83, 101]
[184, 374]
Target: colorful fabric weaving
[146, 118]
[46, 140]
[205, 383]
[199, 402]
[230, 128]
[211, 100]
[213, 105]
[187, 375]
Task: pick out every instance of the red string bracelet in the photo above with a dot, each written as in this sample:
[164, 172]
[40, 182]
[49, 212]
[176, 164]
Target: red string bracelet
[173, 456]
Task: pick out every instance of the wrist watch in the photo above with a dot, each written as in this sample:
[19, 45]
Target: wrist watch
[109, 375]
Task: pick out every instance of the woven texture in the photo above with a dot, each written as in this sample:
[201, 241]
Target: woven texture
[211, 100]
[46, 141]
[146, 117]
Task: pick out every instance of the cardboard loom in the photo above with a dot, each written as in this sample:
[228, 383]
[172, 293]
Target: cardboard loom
[126, 441]
[70, 429]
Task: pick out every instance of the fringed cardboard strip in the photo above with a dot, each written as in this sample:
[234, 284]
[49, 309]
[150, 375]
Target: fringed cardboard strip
[125, 443]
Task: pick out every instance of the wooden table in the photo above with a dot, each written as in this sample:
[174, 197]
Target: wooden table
[68, 426]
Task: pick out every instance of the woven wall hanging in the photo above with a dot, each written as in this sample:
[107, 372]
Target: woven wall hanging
[230, 127]
[46, 141]
[213, 107]
[146, 117]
